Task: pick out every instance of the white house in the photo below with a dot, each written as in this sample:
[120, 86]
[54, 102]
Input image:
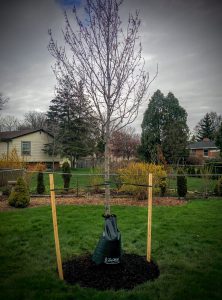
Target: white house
[29, 144]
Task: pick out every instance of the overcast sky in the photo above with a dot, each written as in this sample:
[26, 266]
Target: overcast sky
[183, 36]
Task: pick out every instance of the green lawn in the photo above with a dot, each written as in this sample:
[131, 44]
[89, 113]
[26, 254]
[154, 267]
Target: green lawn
[186, 245]
[195, 184]
[82, 179]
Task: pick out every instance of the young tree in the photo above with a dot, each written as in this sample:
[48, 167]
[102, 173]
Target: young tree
[108, 61]
[164, 127]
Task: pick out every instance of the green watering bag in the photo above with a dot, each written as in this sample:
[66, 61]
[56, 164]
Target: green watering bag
[108, 249]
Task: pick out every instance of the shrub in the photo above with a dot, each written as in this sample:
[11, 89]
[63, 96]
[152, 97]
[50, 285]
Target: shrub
[19, 196]
[66, 175]
[12, 160]
[181, 184]
[137, 173]
[40, 183]
[218, 187]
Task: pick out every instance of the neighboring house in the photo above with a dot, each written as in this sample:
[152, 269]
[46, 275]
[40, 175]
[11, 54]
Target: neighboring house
[29, 144]
[204, 149]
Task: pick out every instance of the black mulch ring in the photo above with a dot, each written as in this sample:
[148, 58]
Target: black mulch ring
[132, 270]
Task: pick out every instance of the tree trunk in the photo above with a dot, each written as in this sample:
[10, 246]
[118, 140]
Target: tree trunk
[107, 169]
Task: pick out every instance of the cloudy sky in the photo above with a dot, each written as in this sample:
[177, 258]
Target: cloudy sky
[183, 36]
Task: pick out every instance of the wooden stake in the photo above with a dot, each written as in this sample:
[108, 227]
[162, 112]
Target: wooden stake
[149, 221]
[55, 226]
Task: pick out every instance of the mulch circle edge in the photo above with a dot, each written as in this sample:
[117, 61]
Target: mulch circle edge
[132, 271]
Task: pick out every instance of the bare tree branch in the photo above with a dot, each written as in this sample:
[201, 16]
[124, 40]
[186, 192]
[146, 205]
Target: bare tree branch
[108, 60]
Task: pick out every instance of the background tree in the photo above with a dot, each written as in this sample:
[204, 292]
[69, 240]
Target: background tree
[9, 123]
[164, 127]
[208, 126]
[108, 61]
[3, 100]
[125, 142]
[77, 129]
[34, 120]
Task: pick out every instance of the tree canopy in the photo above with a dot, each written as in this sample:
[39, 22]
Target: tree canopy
[208, 126]
[70, 121]
[164, 129]
[107, 59]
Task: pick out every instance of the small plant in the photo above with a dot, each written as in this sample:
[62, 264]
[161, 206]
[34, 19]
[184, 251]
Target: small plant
[40, 183]
[66, 175]
[19, 196]
[218, 187]
[181, 184]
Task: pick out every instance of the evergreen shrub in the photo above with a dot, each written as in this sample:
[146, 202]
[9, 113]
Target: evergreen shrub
[40, 183]
[19, 196]
[181, 184]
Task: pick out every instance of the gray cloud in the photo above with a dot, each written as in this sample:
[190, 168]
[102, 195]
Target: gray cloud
[183, 37]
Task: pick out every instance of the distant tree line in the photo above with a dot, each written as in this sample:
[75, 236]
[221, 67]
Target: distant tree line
[77, 132]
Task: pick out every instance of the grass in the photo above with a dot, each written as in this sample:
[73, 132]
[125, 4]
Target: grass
[79, 177]
[195, 184]
[82, 178]
[186, 245]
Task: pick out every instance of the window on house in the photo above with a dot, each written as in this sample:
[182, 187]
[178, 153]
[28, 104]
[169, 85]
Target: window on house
[205, 152]
[26, 148]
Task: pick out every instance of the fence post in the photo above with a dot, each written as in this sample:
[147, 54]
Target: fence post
[55, 226]
[149, 220]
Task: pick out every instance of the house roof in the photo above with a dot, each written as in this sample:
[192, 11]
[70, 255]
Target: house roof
[203, 145]
[9, 135]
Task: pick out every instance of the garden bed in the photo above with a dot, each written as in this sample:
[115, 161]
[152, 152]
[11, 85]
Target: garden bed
[94, 200]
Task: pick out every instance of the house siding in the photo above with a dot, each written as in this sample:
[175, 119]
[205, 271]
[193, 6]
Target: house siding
[37, 139]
